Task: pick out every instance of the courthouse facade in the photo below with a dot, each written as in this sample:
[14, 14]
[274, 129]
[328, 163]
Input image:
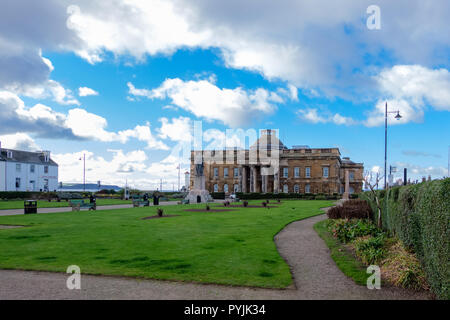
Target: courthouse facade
[269, 166]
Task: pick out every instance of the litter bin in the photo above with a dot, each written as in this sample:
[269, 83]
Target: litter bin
[30, 206]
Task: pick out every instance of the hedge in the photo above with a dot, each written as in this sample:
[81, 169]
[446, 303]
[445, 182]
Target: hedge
[305, 196]
[218, 195]
[420, 216]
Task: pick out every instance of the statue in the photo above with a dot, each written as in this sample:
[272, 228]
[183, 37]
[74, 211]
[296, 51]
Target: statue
[199, 169]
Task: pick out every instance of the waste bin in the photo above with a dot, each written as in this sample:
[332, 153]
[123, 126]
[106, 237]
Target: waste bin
[30, 206]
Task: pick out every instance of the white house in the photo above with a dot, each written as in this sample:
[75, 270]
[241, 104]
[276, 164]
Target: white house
[27, 171]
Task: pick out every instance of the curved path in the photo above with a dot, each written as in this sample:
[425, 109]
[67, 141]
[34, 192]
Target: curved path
[316, 276]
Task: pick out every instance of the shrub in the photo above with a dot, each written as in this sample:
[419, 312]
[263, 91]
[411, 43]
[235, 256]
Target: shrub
[351, 209]
[370, 249]
[264, 204]
[420, 217]
[226, 203]
[348, 230]
[320, 197]
[218, 195]
[208, 207]
[160, 212]
[245, 203]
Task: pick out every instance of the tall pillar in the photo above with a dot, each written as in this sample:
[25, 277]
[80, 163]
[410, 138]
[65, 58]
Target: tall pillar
[276, 181]
[345, 196]
[252, 178]
[244, 179]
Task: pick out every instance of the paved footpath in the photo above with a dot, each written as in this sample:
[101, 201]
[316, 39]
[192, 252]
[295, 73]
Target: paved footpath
[13, 212]
[316, 276]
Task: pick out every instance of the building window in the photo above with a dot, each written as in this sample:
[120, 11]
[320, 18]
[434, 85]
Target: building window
[236, 188]
[32, 168]
[297, 172]
[216, 188]
[225, 188]
[351, 175]
[45, 169]
[33, 185]
[296, 189]
[325, 171]
[236, 172]
[225, 172]
[285, 188]
[308, 172]
[307, 188]
[17, 183]
[216, 172]
[18, 167]
[285, 172]
[45, 184]
[352, 190]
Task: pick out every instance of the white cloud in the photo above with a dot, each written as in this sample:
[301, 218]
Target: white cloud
[76, 124]
[85, 91]
[312, 115]
[234, 107]
[179, 129]
[19, 141]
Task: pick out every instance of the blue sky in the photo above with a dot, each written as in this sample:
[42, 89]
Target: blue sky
[315, 72]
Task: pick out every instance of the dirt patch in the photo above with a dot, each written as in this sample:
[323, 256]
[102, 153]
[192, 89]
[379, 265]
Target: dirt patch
[163, 216]
[204, 210]
[249, 206]
[5, 226]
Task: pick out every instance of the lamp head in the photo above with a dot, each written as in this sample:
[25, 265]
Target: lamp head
[398, 116]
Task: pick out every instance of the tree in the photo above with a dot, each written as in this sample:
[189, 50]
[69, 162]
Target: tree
[371, 184]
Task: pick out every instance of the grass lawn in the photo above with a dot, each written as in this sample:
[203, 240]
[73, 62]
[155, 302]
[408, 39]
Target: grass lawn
[18, 204]
[344, 259]
[234, 247]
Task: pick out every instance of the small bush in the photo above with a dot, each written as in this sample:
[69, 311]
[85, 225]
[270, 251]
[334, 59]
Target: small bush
[208, 208]
[348, 230]
[351, 209]
[160, 212]
[245, 203]
[226, 203]
[264, 204]
[370, 249]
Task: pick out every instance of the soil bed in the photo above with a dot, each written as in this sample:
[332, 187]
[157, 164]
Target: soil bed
[204, 210]
[249, 206]
[163, 216]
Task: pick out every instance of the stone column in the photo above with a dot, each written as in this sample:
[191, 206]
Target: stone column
[276, 181]
[345, 196]
[252, 178]
[244, 179]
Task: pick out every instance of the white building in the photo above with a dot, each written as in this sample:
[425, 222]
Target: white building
[27, 171]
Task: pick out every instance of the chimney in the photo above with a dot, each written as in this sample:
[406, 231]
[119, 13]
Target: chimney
[46, 155]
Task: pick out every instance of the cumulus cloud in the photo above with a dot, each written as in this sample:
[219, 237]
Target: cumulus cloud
[19, 141]
[312, 115]
[233, 107]
[177, 129]
[85, 91]
[77, 124]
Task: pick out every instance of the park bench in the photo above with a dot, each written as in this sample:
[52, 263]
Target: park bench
[79, 204]
[138, 201]
[185, 201]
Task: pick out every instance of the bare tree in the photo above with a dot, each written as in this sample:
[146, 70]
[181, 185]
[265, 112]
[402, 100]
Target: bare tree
[371, 184]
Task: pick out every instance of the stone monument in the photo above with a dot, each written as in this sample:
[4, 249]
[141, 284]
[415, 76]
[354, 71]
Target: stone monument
[346, 196]
[198, 194]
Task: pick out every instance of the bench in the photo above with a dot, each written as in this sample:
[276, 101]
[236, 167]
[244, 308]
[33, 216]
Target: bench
[138, 201]
[79, 204]
[185, 201]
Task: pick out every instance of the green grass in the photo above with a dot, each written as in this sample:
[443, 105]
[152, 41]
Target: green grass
[233, 248]
[343, 258]
[18, 204]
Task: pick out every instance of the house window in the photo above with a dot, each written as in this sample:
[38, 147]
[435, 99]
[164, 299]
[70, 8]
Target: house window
[18, 167]
[285, 188]
[17, 183]
[351, 175]
[296, 189]
[297, 172]
[308, 172]
[45, 169]
[325, 171]
[225, 188]
[225, 172]
[236, 172]
[216, 172]
[216, 188]
[45, 184]
[307, 188]
[32, 168]
[285, 172]
[236, 188]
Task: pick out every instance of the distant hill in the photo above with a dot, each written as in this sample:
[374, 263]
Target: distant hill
[89, 187]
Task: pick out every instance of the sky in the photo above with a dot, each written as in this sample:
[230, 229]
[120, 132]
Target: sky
[123, 81]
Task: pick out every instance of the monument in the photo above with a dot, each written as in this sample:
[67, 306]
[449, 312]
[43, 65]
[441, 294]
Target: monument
[198, 194]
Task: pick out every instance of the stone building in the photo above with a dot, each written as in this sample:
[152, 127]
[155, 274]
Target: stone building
[269, 166]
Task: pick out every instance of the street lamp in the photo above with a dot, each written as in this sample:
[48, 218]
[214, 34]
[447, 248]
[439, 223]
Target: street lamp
[84, 172]
[397, 117]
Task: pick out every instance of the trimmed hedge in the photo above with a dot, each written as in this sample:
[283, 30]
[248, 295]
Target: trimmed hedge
[351, 209]
[218, 195]
[420, 216]
[305, 196]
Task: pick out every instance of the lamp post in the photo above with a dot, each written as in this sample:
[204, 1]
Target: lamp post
[84, 172]
[398, 117]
